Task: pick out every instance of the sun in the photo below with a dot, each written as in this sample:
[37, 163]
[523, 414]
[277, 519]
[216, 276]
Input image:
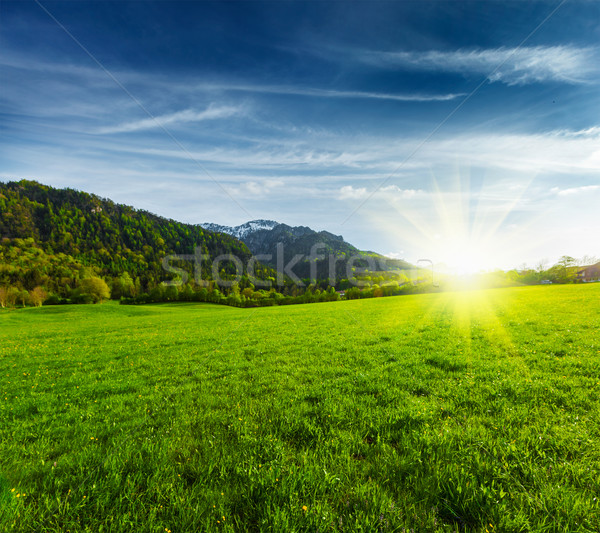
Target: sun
[463, 258]
[464, 228]
[467, 256]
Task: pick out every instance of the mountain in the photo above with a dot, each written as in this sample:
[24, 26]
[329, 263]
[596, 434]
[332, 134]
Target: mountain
[240, 232]
[264, 236]
[107, 237]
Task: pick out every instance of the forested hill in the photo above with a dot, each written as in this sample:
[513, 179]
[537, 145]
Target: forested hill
[263, 238]
[97, 232]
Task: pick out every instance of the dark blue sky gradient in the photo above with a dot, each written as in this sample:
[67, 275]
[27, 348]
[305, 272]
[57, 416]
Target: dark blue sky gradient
[338, 115]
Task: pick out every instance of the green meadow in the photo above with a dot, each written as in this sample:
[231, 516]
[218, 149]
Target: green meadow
[468, 411]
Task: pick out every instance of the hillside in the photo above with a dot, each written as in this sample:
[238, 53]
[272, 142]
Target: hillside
[263, 237]
[110, 238]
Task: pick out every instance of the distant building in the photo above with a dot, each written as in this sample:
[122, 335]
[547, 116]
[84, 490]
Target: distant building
[589, 273]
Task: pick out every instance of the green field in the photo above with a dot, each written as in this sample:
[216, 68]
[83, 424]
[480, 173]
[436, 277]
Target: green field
[474, 411]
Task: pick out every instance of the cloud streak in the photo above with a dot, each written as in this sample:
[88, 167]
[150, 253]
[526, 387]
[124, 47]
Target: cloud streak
[173, 119]
[585, 189]
[512, 66]
[91, 77]
[332, 93]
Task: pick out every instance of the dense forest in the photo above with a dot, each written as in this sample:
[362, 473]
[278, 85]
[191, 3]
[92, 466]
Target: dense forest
[53, 238]
[116, 238]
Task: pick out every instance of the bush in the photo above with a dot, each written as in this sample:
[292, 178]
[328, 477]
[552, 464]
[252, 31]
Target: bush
[93, 290]
[55, 299]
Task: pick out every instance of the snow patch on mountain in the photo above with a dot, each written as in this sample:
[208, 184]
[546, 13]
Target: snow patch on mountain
[241, 231]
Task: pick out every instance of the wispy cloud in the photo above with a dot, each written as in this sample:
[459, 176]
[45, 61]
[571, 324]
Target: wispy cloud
[576, 190]
[94, 78]
[513, 66]
[332, 93]
[185, 116]
[594, 131]
[372, 157]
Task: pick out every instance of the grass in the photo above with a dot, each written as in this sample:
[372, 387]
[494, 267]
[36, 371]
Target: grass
[440, 412]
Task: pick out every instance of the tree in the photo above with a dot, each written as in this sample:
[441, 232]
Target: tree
[171, 293]
[332, 295]
[13, 296]
[23, 297]
[187, 294]
[157, 294]
[37, 296]
[137, 287]
[541, 265]
[566, 268]
[588, 260]
[235, 289]
[96, 288]
[567, 261]
[3, 297]
[123, 286]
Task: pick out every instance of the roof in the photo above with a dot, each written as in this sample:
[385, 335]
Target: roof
[592, 268]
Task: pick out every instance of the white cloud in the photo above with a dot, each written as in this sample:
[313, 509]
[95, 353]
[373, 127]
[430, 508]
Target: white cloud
[255, 187]
[187, 115]
[348, 192]
[393, 192]
[396, 255]
[399, 193]
[513, 66]
[575, 190]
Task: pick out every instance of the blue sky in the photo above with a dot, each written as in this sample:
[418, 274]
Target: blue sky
[456, 131]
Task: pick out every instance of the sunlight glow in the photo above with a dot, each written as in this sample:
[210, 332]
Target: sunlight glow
[462, 227]
[463, 257]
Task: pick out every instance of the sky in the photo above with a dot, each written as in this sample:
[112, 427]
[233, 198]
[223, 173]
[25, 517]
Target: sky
[460, 132]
